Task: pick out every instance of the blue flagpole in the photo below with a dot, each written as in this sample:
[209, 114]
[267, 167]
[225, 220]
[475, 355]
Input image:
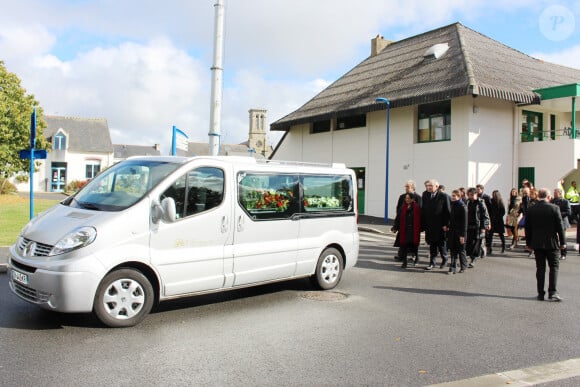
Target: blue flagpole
[32, 144]
[173, 150]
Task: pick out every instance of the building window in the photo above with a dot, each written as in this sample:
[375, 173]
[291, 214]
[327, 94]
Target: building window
[59, 141]
[358, 121]
[434, 122]
[532, 126]
[320, 126]
[92, 168]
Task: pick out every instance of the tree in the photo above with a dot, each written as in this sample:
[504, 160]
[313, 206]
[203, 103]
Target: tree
[15, 110]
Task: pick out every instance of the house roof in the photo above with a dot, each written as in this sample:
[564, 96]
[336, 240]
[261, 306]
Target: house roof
[84, 134]
[202, 149]
[473, 65]
[122, 151]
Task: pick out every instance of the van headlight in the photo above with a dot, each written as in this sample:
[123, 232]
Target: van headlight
[78, 238]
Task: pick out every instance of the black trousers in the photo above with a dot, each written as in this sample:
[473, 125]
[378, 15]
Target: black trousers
[473, 243]
[407, 248]
[457, 251]
[437, 247]
[552, 257]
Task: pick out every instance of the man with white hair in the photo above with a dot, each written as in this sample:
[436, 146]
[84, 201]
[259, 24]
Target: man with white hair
[435, 215]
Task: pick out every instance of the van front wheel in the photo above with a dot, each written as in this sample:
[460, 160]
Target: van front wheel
[329, 269]
[124, 297]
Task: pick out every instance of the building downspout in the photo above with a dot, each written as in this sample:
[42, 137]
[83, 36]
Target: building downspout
[574, 118]
[515, 147]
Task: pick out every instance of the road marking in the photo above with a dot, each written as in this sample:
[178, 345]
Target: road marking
[523, 377]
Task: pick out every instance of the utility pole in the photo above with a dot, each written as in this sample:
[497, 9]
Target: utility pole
[216, 81]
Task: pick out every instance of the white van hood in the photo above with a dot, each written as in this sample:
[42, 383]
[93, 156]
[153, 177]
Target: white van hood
[53, 224]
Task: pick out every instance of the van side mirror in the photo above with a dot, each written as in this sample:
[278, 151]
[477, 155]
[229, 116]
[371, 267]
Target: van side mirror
[165, 211]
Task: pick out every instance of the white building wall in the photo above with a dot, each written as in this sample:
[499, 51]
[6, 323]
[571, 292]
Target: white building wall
[76, 169]
[482, 148]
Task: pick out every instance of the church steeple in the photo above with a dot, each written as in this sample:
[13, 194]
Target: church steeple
[257, 135]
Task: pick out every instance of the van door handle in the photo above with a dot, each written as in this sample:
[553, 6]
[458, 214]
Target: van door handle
[240, 223]
[224, 224]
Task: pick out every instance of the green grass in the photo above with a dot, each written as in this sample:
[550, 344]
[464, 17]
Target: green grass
[15, 213]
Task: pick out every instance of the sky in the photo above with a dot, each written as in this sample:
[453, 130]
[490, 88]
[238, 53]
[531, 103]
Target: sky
[145, 65]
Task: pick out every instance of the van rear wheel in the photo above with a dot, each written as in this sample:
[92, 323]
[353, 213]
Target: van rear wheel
[328, 269]
[124, 297]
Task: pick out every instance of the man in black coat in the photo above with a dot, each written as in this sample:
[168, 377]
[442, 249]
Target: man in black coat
[435, 214]
[545, 236]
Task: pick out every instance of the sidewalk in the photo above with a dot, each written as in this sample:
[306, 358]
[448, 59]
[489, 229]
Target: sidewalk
[365, 223]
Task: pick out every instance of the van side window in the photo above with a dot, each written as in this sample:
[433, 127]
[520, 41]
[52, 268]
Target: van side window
[327, 193]
[199, 190]
[268, 196]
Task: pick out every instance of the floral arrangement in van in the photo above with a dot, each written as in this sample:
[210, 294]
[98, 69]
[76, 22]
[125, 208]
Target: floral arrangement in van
[321, 202]
[268, 200]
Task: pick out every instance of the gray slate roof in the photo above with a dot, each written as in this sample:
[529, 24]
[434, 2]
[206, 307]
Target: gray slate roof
[122, 151]
[474, 64]
[84, 134]
[202, 149]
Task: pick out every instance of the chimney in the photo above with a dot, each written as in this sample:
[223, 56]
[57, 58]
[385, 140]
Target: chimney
[378, 44]
[157, 147]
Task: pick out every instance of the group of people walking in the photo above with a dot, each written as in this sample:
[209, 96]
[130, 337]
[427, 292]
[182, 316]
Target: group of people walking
[461, 226]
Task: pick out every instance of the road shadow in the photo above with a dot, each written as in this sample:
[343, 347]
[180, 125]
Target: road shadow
[455, 293]
[18, 314]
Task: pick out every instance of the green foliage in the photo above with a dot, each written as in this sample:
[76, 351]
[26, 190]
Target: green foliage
[15, 109]
[6, 187]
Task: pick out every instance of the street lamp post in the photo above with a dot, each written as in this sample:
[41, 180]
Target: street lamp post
[388, 104]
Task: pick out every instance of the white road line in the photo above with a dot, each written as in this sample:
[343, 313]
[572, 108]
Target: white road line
[523, 377]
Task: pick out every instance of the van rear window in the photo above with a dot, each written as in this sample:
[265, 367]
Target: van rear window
[279, 196]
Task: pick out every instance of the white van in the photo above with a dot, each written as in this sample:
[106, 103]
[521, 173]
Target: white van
[150, 229]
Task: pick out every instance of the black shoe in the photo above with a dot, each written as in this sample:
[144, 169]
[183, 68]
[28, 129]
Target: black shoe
[450, 272]
[563, 257]
[471, 265]
[540, 298]
[430, 267]
[397, 258]
[442, 266]
[555, 297]
[403, 266]
[461, 271]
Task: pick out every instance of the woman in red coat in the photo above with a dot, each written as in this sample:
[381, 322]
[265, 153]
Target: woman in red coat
[408, 224]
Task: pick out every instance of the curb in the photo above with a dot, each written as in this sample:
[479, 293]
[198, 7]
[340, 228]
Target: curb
[371, 229]
[3, 267]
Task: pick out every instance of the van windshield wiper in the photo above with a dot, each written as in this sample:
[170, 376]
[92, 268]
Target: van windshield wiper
[88, 206]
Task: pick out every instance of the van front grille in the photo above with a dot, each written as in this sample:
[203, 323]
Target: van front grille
[30, 294]
[38, 249]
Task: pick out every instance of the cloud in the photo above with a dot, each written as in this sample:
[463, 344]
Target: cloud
[145, 65]
[568, 57]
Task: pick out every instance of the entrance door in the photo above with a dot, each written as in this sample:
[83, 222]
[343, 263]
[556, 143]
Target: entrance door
[526, 173]
[360, 184]
[58, 177]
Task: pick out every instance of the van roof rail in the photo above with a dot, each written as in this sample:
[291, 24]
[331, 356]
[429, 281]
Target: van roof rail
[302, 163]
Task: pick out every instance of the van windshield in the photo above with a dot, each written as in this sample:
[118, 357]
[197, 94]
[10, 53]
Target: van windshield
[121, 186]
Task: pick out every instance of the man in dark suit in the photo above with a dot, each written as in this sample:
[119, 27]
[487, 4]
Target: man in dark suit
[435, 215]
[545, 236]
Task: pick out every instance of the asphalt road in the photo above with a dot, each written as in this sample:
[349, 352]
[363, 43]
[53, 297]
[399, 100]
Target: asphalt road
[382, 326]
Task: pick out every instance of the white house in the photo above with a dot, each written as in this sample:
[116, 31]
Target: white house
[81, 148]
[463, 109]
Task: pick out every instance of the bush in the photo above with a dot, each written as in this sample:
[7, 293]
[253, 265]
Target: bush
[6, 187]
[75, 185]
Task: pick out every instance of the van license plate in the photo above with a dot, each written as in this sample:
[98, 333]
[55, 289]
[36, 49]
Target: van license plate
[20, 277]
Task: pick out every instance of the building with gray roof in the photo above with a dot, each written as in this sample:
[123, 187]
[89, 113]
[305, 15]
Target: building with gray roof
[462, 108]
